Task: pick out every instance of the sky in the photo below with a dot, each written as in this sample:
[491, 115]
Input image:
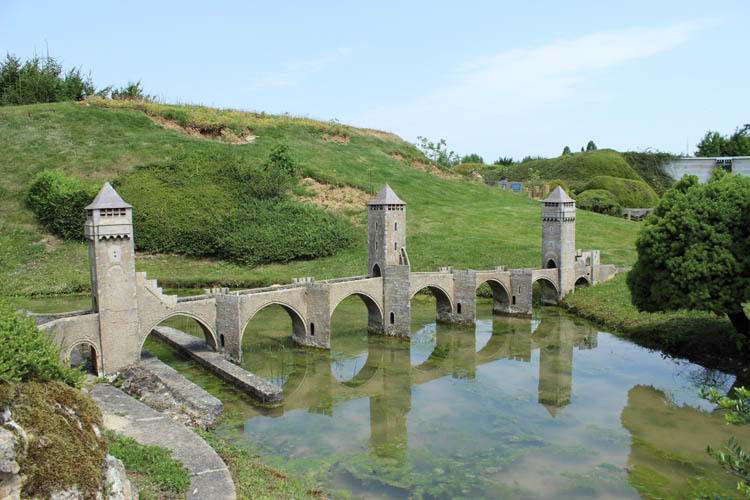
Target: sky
[495, 78]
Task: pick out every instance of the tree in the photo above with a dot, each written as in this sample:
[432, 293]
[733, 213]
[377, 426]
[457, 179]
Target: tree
[472, 158]
[438, 152]
[715, 144]
[694, 251]
[566, 151]
[591, 146]
[503, 160]
[732, 457]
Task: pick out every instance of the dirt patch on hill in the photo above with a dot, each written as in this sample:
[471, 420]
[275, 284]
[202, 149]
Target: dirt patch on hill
[341, 199]
[424, 167]
[337, 138]
[217, 133]
[386, 136]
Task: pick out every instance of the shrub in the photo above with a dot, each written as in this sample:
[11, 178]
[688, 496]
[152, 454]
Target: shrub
[40, 80]
[629, 193]
[600, 201]
[650, 166]
[557, 182]
[27, 354]
[58, 201]
[281, 230]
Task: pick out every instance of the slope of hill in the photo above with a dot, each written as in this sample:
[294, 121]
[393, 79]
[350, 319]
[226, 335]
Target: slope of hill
[450, 221]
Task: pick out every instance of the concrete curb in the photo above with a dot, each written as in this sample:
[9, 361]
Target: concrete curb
[127, 416]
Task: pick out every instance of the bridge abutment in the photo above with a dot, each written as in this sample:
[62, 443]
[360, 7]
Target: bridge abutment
[521, 281]
[228, 327]
[396, 301]
[464, 297]
[318, 332]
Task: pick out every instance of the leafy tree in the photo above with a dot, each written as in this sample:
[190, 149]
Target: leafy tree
[40, 80]
[715, 144]
[503, 160]
[566, 151]
[591, 146]
[582, 151]
[732, 457]
[438, 152]
[472, 158]
[694, 251]
[130, 92]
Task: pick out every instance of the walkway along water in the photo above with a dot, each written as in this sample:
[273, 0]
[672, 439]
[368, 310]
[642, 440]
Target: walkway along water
[126, 306]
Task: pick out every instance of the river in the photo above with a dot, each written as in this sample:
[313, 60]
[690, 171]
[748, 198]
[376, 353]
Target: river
[546, 407]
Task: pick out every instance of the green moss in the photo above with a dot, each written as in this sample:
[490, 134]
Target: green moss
[629, 193]
[61, 454]
[155, 467]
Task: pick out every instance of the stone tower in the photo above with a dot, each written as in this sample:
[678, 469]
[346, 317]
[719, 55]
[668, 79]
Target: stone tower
[559, 237]
[387, 257]
[109, 231]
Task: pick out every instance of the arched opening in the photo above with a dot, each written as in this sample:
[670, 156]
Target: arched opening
[376, 271]
[351, 321]
[266, 342]
[84, 357]
[582, 282]
[550, 264]
[177, 324]
[443, 302]
[493, 299]
[543, 291]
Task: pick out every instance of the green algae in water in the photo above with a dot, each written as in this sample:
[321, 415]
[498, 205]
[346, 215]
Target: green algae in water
[515, 408]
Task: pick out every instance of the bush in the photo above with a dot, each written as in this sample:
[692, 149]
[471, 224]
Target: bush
[27, 354]
[59, 202]
[40, 80]
[629, 193]
[650, 166]
[281, 230]
[557, 182]
[600, 201]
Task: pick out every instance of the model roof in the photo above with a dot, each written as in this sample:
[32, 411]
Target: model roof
[386, 196]
[108, 198]
[558, 196]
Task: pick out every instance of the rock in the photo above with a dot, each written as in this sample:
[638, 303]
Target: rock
[117, 483]
[10, 486]
[8, 464]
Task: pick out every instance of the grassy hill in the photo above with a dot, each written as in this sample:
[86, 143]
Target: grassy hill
[450, 221]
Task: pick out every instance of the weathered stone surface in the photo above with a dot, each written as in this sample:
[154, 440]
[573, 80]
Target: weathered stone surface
[118, 485]
[8, 464]
[166, 390]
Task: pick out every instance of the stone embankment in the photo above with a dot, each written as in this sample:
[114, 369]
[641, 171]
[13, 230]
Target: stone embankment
[197, 350]
[163, 388]
[125, 415]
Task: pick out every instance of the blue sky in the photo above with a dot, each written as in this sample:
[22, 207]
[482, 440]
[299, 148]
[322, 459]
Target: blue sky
[494, 78]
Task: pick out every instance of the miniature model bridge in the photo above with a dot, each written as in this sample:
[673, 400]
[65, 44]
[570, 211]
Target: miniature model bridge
[127, 306]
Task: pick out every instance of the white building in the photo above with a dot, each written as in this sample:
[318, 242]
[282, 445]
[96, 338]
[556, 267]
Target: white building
[703, 166]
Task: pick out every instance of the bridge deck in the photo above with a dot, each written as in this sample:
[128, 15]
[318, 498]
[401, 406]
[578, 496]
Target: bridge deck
[197, 350]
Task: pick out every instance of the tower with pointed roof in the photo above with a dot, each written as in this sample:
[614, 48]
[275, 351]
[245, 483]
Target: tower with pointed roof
[387, 257]
[109, 231]
[559, 237]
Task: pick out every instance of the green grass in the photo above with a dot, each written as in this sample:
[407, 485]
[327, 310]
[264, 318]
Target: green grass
[153, 471]
[697, 335]
[449, 222]
[253, 480]
[576, 169]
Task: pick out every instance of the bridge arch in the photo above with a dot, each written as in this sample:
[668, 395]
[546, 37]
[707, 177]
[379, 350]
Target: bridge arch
[443, 300]
[299, 325]
[500, 295]
[208, 332]
[374, 310]
[582, 281]
[548, 289]
[94, 354]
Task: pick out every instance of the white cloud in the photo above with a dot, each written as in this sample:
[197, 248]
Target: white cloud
[491, 88]
[294, 71]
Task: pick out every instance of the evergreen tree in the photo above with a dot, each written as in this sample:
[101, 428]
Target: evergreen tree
[566, 151]
[591, 146]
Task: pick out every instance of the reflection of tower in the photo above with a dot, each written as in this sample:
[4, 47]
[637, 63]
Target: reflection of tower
[559, 237]
[387, 257]
[390, 407]
[555, 364]
[109, 231]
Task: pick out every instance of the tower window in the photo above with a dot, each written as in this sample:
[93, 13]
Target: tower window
[458, 308]
[376, 226]
[395, 245]
[393, 318]
[395, 226]
[376, 245]
[221, 339]
[514, 300]
[312, 329]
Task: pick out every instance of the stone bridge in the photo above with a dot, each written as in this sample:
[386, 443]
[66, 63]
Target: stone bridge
[126, 306]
